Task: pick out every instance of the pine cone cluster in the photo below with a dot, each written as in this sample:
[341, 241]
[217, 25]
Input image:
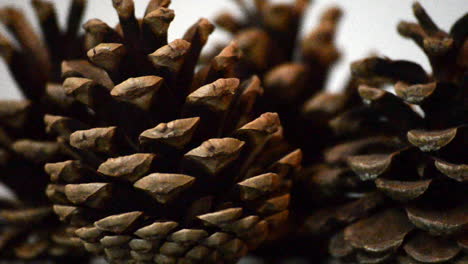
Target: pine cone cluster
[29, 230]
[399, 188]
[166, 165]
[143, 151]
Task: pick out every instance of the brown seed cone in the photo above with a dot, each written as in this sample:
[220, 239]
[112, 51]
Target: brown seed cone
[294, 71]
[29, 229]
[399, 194]
[168, 166]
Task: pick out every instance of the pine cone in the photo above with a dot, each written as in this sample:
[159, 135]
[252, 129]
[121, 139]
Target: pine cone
[399, 191]
[29, 230]
[163, 170]
[294, 75]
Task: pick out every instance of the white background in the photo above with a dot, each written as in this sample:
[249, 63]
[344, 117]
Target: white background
[368, 26]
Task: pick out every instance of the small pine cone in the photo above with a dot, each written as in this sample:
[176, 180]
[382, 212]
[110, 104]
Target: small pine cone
[167, 166]
[293, 75]
[29, 230]
[398, 192]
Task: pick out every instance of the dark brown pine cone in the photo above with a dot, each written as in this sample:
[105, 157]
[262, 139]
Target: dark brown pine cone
[166, 166]
[398, 193]
[29, 230]
[294, 75]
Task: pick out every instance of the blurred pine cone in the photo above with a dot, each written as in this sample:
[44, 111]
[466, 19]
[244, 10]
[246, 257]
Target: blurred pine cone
[294, 71]
[167, 166]
[29, 230]
[398, 193]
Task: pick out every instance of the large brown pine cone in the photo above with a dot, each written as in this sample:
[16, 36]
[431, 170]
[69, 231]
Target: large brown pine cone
[294, 70]
[398, 193]
[166, 165]
[29, 230]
